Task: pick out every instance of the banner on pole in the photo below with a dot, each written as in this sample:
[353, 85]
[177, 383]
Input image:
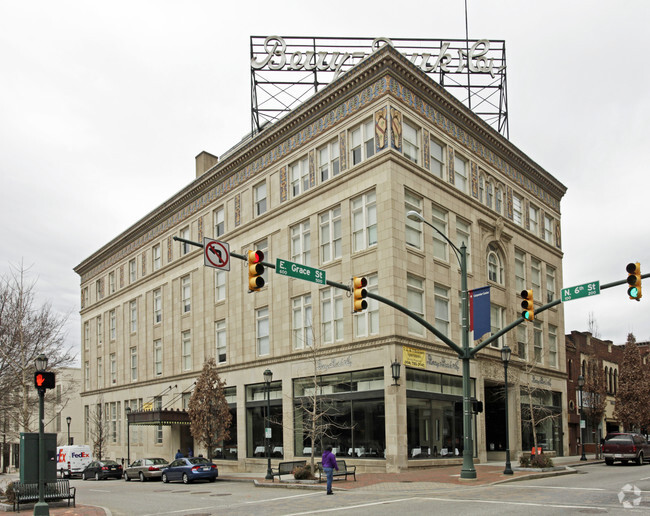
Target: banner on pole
[479, 311]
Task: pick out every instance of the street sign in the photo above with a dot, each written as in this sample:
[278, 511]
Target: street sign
[296, 270]
[216, 254]
[585, 290]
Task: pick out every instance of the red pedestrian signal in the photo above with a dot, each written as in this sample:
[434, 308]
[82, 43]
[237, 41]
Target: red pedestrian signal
[44, 380]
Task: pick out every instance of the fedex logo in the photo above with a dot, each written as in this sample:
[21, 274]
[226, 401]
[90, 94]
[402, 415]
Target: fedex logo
[81, 455]
[60, 457]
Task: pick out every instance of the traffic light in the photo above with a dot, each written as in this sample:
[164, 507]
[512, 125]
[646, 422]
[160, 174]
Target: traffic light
[634, 280]
[255, 270]
[359, 294]
[44, 380]
[527, 305]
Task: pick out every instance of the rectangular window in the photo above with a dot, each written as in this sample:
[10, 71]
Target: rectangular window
[498, 199]
[220, 337]
[439, 221]
[437, 154]
[185, 233]
[364, 221]
[157, 357]
[496, 323]
[133, 271]
[552, 345]
[98, 289]
[219, 222]
[157, 305]
[299, 174]
[441, 310]
[415, 303]
[330, 235]
[186, 350]
[259, 194]
[537, 341]
[522, 342]
[520, 271]
[100, 333]
[156, 254]
[133, 310]
[533, 215]
[550, 284]
[86, 335]
[489, 194]
[301, 243]
[301, 322]
[517, 210]
[328, 161]
[331, 300]
[113, 366]
[362, 142]
[111, 282]
[411, 142]
[536, 278]
[413, 227]
[220, 285]
[367, 322]
[548, 229]
[87, 375]
[186, 294]
[262, 331]
[85, 296]
[460, 173]
[464, 236]
[112, 324]
[134, 364]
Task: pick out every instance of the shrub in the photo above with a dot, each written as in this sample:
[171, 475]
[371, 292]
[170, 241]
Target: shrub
[10, 495]
[535, 461]
[524, 461]
[303, 473]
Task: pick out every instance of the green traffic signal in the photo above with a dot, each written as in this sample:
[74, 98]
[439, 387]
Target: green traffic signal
[634, 280]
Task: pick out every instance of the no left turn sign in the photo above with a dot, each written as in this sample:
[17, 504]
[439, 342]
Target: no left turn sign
[216, 254]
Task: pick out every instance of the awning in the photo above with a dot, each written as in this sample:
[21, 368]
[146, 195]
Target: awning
[158, 417]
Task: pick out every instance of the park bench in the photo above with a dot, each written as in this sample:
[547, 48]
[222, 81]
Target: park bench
[344, 471]
[54, 491]
[286, 468]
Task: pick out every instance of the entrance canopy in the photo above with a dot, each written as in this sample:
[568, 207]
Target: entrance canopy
[160, 417]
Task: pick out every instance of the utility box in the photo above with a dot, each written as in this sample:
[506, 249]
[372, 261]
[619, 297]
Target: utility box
[29, 458]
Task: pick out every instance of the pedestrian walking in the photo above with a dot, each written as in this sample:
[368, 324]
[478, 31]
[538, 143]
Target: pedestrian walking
[329, 465]
[189, 451]
[179, 454]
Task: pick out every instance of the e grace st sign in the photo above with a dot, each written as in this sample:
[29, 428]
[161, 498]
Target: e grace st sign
[584, 290]
[296, 270]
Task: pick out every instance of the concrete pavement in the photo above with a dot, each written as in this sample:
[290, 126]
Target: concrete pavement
[412, 481]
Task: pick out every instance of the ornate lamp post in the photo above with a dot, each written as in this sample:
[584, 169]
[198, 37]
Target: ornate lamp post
[41, 508]
[505, 357]
[68, 420]
[581, 384]
[395, 367]
[268, 376]
[128, 436]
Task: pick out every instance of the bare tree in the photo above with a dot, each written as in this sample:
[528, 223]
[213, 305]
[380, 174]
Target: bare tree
[594, 395]
[98, 429]
[209, 413]
[26, 331]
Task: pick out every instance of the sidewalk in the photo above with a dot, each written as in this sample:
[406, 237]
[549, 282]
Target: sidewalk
[412, 480]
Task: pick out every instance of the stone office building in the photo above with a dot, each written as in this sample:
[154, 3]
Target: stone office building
[329, 186]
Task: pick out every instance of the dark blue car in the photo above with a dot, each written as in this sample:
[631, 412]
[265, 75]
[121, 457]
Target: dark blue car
[189, 469]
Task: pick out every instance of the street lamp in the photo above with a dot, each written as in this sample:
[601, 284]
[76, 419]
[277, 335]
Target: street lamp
[41, 507]
[581, 384]
[395, 367]
[505, 357]
[268, 376]
[68, 420]
[128, 436]
[468, 471]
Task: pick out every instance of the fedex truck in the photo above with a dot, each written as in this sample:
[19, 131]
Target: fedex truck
[72, 460]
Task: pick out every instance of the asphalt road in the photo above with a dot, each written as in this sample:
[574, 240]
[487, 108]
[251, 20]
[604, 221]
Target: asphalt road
[596, 489]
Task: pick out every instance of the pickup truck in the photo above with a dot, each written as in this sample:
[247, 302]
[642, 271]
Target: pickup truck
[626, 447]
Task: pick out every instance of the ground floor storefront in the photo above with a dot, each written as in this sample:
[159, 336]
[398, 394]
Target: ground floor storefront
[352, 400]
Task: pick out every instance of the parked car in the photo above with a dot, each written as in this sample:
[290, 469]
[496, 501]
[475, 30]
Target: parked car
[626, 447]
[145, 469]
[100, 470]
[189, 469]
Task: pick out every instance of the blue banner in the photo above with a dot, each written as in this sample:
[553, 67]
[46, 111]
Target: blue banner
[479, 311]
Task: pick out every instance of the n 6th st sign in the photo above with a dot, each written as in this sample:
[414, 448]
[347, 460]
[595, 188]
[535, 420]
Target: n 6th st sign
[584, 290]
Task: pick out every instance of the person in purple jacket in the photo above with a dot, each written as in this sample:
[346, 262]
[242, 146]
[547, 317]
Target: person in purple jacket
[329, 465]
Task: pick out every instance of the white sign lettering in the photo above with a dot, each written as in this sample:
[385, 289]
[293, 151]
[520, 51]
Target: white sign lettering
[474, 58]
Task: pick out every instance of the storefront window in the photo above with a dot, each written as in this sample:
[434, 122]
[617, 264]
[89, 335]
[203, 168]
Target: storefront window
[350, 414]
[541, 410]
[256, 420]
[227, 449]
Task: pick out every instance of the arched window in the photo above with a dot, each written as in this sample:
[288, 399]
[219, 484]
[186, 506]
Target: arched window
[498, 199]
[494, 265]
[489, 194]
[481, 188]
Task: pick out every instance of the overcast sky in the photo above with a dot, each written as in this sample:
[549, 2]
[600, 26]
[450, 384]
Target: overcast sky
[104, 105]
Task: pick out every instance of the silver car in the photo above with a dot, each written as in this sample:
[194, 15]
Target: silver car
[145, 469]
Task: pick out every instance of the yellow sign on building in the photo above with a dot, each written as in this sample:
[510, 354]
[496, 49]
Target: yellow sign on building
[414, 357]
